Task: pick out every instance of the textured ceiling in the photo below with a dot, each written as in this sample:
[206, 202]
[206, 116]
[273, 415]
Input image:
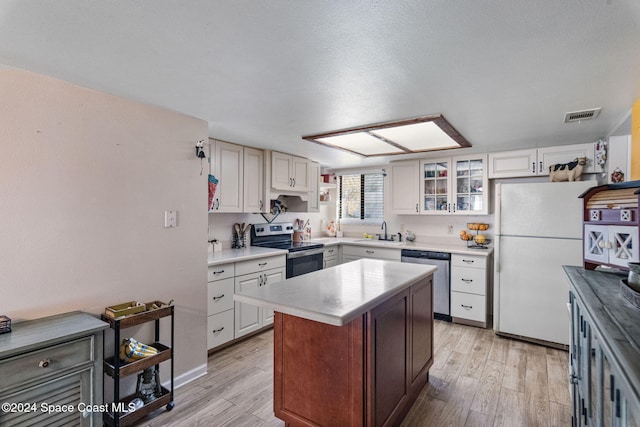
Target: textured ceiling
[264, 73]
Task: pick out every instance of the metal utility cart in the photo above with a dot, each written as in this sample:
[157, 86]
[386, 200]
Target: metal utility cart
[117, 369]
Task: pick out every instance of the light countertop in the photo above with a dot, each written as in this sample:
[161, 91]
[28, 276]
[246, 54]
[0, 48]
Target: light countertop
[235, 255]
[451, 245]
[337, 295]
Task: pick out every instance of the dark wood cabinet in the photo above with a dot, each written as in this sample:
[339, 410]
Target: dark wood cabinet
[368, 372]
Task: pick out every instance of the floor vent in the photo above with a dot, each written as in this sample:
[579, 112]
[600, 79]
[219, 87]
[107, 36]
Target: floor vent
[578, 116]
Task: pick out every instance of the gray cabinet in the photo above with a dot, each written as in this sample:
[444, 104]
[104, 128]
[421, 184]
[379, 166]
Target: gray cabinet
[604, 356]
[55, 360]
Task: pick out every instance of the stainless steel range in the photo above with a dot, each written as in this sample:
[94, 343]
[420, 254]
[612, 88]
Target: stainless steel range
[303, 257]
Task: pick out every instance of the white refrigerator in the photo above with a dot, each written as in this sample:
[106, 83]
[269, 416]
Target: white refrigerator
[538, 230]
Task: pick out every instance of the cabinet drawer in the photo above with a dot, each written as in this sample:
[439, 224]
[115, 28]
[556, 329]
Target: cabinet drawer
[220, 296]
[260, 264]
[219, 328]
[330, 252]
[26, 367]
[470, 280]
[473, 261]
[469, 306]
[219, 272]
[371, 252]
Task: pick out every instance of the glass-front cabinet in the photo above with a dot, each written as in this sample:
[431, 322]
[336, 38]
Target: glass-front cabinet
[435, 186]
[456, 185]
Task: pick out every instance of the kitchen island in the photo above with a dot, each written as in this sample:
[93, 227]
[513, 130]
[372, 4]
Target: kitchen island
[353, 344]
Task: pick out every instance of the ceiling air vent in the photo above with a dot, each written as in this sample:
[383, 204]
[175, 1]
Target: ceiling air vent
[578, 116]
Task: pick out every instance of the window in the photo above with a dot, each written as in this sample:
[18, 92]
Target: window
[361, 197]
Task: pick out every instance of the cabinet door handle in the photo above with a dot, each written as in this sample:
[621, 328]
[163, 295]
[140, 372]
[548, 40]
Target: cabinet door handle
[468, 307]
[294, 182]
[266, 279]
[573, 379]
[261, 205]
[217, 204]
[262, 264]
[468, 261]
[218, 330]
[330, 251]
[533, 167]
[218, 272]
[217, 298]
[467, 280]
[370, 252]
[260, 280]
[540, 167]
[454, 206]
[448, 207]
[417, 204]
[612, 385]
[44, 363]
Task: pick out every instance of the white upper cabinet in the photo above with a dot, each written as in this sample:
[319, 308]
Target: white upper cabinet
[447, 186]
[253, 198]
[510, 164]
[470, 186]
[313, 205]
[289, 172]
[536, 162]
[435, 186]
[404, 187]
[228, 169]
[300, 173]
[566, 153]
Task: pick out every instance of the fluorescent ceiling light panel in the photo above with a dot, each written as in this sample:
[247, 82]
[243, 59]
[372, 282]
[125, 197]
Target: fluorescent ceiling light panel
[362, 143]
[417, 135]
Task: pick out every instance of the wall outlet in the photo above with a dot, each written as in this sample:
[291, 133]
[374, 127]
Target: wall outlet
[449, 229]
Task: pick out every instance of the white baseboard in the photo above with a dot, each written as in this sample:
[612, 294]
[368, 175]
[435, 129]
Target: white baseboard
[187, 377]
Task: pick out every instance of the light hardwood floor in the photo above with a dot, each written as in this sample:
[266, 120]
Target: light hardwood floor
[477, 379]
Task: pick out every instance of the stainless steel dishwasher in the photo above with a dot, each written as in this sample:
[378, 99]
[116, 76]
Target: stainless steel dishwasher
[441, 278]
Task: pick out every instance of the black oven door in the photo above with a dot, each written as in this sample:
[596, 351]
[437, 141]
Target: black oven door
[303, 262]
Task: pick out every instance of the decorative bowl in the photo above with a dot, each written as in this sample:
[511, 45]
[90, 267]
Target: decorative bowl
[630, 294]
[634, 274]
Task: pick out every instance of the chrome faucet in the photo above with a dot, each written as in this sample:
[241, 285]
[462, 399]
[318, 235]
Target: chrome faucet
[384, 227]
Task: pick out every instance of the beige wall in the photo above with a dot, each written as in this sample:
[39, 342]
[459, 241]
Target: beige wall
[85, 178]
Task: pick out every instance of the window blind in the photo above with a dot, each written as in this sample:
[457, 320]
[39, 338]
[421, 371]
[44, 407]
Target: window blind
[361, 197]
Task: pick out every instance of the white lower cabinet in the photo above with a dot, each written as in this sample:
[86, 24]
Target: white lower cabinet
[353, 252]
[264, 271]
[469, 290]
[220, 304]
[219, 328]
[330, 256]
[228, 320]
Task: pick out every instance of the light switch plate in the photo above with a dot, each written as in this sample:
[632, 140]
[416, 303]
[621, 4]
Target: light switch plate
[170, 219]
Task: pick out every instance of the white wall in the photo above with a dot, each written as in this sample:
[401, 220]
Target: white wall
[85, 178]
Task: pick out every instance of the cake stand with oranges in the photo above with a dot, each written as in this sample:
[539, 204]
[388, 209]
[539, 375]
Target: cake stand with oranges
[477, 240]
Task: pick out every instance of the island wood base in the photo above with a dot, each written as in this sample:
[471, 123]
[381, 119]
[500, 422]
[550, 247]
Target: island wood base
[366, 373]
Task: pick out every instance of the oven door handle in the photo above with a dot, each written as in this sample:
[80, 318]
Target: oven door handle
[309, 252]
